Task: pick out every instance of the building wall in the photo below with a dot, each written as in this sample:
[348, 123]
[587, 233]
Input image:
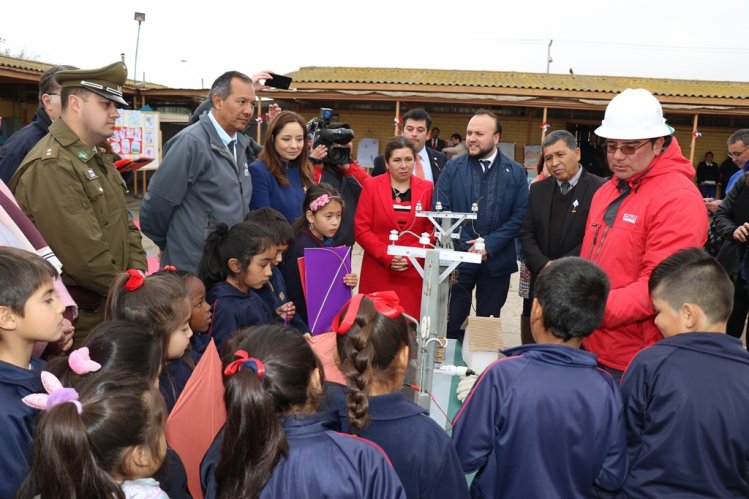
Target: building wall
[519, 130]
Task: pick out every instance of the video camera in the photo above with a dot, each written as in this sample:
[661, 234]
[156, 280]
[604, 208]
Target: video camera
[332, 135]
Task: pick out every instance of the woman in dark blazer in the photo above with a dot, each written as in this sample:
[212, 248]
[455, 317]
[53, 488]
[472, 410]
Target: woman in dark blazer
[388, 202]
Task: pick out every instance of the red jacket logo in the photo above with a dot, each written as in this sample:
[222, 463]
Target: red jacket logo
[628, 217]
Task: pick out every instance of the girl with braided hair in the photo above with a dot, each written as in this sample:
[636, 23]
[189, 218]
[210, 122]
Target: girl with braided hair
[373, 349]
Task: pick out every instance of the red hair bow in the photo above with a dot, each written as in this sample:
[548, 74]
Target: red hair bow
[135, 280]
[386, 303]
[243, 360]
[170, 268]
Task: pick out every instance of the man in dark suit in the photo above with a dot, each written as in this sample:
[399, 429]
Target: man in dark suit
[429, 163]
[435, 142]
[558, 206]
[499, 187]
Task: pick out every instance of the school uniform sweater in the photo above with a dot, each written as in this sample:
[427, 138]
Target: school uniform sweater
[542, 422]
[16, 423]
[321, 463]
[686, 402]
[421, 452]
[233, 310]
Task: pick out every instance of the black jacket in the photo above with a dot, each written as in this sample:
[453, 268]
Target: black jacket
[437, 161]
[732, 212]
[534, 235]
[21, 142]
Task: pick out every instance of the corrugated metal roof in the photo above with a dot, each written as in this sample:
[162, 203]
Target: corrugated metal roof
[524, 81]
[37, 67]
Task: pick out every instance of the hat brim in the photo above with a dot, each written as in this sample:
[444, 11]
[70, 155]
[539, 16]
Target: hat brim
[115, 98]
[608, 132]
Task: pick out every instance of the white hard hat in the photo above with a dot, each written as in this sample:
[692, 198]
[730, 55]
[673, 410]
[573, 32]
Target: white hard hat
[634, 114]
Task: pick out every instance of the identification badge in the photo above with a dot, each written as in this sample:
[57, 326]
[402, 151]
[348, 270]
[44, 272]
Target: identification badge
[91, 174]
[246, 170]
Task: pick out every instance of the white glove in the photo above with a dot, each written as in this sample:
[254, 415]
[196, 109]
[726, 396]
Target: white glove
[464, 386]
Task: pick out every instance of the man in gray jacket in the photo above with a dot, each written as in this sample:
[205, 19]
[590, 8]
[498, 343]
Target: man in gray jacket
[204, 177]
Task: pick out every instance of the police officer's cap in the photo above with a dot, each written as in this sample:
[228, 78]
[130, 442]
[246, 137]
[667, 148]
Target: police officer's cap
[106, 81]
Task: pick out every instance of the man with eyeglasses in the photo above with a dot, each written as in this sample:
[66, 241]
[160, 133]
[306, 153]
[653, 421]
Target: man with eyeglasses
[647, 211]
[21, 142]
[738, 151]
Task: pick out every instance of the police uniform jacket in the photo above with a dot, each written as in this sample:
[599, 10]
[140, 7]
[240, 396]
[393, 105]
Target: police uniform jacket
[76, 198]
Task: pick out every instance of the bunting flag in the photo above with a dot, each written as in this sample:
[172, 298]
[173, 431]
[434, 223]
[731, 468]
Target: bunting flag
[545, 126]
[198, 416]
[696, 134]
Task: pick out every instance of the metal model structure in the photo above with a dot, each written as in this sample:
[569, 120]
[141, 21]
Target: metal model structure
[440, 260]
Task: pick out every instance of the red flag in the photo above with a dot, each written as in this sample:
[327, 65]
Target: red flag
[198, 416]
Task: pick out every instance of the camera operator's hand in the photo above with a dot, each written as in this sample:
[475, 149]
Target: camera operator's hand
[273, 111]
[319, 153]
[258, 79]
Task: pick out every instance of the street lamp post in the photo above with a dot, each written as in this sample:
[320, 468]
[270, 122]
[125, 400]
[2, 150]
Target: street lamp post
[140, 17]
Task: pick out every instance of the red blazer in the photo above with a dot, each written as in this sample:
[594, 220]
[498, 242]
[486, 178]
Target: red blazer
[375, 218]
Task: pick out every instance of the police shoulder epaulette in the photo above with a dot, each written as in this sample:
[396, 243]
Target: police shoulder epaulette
[49, 152]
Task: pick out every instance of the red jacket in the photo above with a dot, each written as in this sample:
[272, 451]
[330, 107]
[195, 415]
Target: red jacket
[663, 214]
[375, 218]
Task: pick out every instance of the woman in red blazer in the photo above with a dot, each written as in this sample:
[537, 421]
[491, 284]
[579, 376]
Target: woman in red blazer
[388, 202]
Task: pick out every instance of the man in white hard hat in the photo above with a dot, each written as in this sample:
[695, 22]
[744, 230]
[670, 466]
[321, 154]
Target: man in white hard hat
[647, 211]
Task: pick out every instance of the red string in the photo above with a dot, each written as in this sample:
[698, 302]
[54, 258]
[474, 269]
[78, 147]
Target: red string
[418, 389]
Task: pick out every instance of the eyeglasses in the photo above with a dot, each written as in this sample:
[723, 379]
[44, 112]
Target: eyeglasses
[626, 149]
[737, 154]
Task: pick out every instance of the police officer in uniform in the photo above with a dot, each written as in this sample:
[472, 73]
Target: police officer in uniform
[69, 188]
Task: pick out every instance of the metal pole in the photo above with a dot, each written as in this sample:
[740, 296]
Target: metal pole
[694, 139]
[549, 60]
[135, 65]
[543, 129]
[397, 116]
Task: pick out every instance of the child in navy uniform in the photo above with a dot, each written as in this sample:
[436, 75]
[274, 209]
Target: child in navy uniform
[104, 439]
[29, 312]
[373, 349]
[117, 346]
[236, 263]
[545, 421]
[200, 316]
[159, 303]
[274, 293]
[686, 398]
[275, 443]
[321, 218]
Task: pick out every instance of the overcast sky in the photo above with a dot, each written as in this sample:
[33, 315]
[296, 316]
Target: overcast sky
[685, 39]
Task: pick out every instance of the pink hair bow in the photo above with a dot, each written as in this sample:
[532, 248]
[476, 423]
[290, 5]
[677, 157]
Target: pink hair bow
[56, 394]
[80, 362]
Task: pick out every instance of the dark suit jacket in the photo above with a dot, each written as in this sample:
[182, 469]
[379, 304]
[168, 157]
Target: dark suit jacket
[534, 235]
[437, 161]
[440, 144]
